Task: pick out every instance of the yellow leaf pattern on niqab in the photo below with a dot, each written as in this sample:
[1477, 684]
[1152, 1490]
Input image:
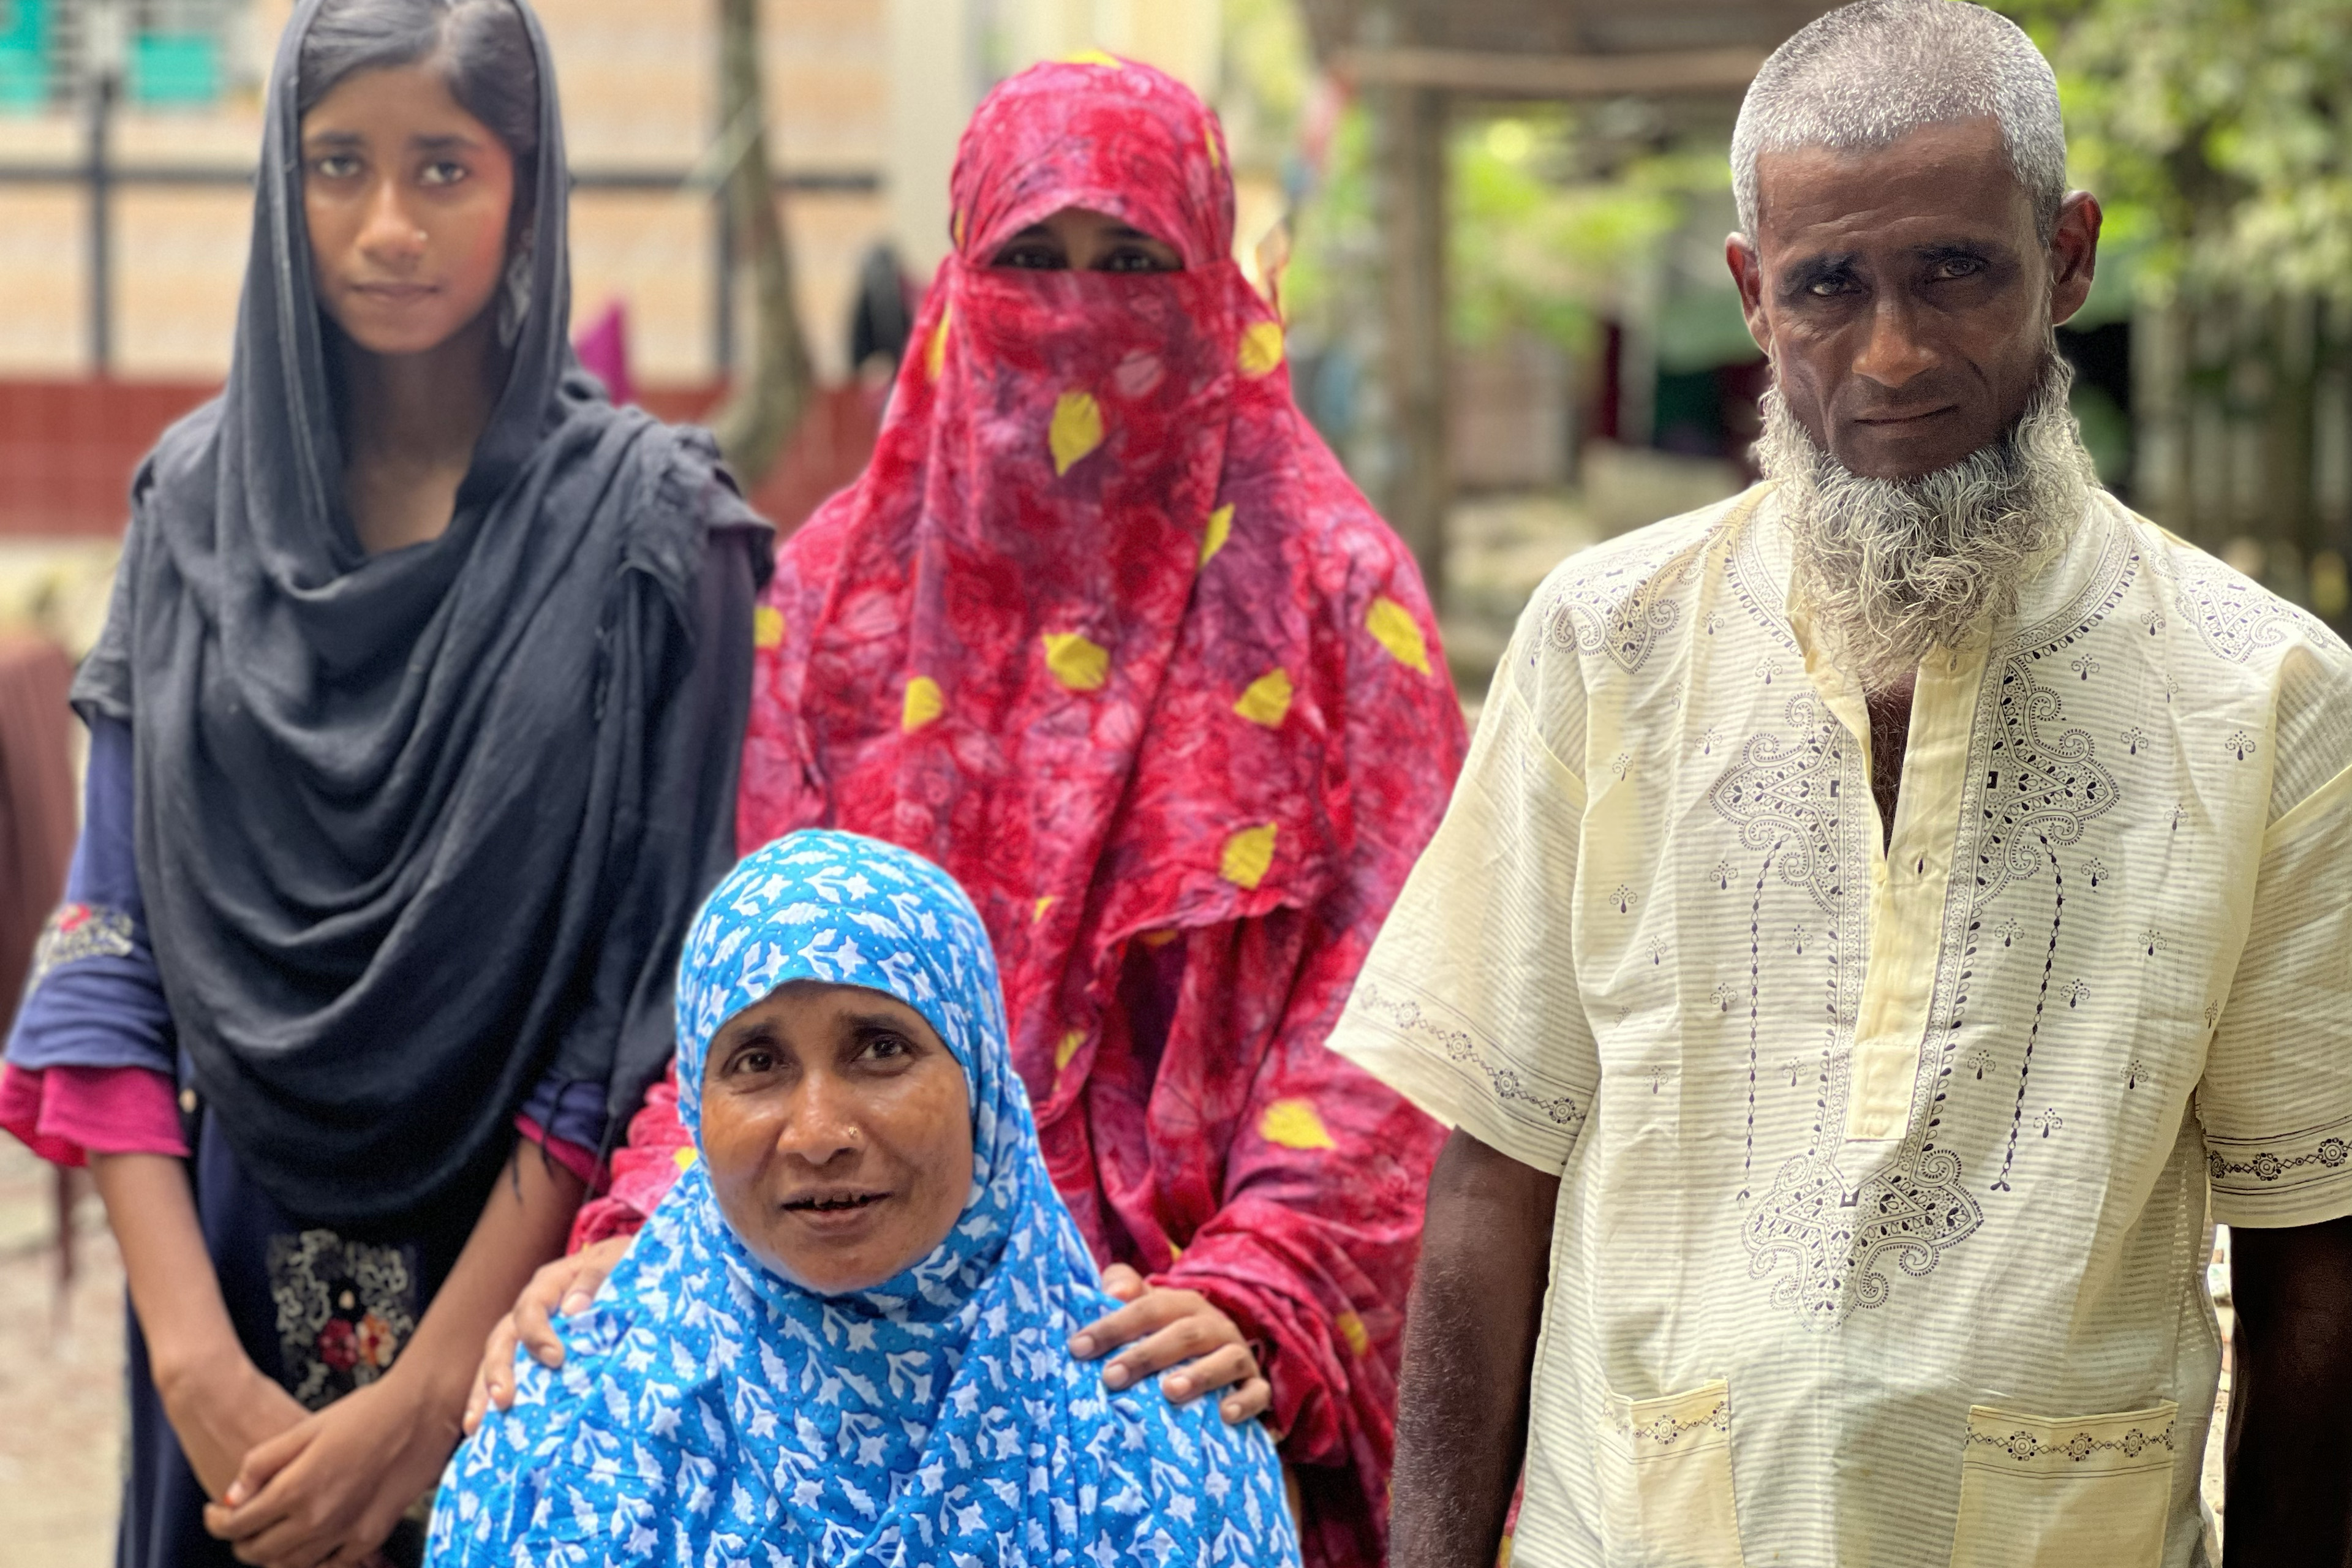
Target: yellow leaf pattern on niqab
[1294, 1124]
[1077, 663]
[1077, 430]
[1267, 700]
[924, 703]
[1398, 631]
[1248, 855]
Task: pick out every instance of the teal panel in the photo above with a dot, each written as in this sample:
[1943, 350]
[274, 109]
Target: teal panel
[23, 54]
[24, 77]
[174, 68]
[23, 24]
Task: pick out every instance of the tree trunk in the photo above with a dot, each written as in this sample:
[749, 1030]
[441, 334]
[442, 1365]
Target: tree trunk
[772, 387]
[1409, 195]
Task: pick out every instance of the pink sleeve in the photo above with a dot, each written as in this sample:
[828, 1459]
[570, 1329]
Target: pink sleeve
[579, 1161]
[642, 1168]
[65, 1114]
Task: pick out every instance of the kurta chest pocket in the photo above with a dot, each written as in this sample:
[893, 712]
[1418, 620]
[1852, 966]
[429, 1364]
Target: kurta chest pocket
[2090, 1492]
[1665, 1470]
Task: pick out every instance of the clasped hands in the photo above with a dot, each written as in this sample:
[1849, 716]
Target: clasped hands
[1159, 1328]
[297, 1490]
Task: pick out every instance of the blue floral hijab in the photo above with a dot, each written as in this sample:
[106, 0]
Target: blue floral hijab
[711, 1410]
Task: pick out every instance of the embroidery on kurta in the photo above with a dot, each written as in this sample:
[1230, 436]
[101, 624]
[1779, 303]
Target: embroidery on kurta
[344, 1310]
[2287, 1163]
[1914, 1208]
[1622, 609]
[2024, 1446]
[2233, 615]
[1782, 798]
[1751, 582]
[2041, 784]
[1907, 1214]
[78, 931]
[1403, 1013]
[1667, 1429]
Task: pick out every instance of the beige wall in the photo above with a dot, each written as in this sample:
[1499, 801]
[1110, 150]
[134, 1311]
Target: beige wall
[1180, 36]
[42, 330]
[853, 86]
[636, 77]
[933, 81]
[179, 262]
[939, 55]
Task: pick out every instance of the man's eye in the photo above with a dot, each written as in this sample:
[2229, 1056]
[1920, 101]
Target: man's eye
[1828, 288]
[1960, 267]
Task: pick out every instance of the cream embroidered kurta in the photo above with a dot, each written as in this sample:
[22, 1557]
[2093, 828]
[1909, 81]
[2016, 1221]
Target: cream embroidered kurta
[1886, 1173]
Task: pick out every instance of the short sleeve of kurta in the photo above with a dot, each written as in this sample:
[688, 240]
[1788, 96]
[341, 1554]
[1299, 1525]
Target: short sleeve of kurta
[1468, 1003]
[2276, 1100]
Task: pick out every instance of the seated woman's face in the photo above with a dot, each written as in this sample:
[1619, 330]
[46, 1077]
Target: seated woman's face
[838, 1134]
[1078, 239]
[406, 197]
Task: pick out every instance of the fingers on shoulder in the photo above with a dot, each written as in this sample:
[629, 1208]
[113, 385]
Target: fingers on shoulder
[1247, 1402]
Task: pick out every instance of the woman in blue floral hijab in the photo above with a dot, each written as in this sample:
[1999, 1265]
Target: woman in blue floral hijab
[828, 1346]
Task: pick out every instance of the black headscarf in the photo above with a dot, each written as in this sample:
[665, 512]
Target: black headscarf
[403, 833]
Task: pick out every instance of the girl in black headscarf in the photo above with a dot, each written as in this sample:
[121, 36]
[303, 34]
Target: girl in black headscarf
[415, 730]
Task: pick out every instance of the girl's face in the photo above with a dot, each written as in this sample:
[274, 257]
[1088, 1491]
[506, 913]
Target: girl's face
[407, 197]
[839, 1133]
[1079, 239]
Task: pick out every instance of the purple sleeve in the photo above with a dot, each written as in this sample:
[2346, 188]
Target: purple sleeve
[574, 1112]
[94, 999]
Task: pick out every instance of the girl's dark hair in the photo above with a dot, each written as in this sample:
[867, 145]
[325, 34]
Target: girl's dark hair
[480, 47]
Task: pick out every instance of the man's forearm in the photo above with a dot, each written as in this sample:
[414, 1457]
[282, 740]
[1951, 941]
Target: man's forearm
[1470, 1339]
[2290, 1448]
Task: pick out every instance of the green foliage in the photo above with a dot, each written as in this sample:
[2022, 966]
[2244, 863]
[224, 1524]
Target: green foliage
[1538, 243]
[2218, 133]
[1533, 251]
[1333, 246]
[1267, 72]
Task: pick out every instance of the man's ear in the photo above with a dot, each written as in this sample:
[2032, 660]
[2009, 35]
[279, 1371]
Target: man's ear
[2073, 254]
[1747, 272]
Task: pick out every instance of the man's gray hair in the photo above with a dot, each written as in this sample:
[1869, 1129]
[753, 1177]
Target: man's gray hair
[1865, 74]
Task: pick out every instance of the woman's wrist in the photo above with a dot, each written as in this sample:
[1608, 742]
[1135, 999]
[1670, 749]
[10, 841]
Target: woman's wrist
[194, 1359]
[435, 1379]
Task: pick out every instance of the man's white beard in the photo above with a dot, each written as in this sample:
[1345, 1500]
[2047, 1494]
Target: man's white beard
[1893, 569]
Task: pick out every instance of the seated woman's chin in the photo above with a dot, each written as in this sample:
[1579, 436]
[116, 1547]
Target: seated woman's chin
[837, 1253]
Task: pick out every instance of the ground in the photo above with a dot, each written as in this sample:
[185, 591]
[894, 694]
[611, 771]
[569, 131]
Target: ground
[61, 1404]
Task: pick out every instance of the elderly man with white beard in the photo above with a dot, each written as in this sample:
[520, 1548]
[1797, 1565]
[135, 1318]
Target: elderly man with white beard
[1886, 919]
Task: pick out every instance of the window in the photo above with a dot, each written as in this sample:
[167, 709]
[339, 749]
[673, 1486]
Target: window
[166, 53]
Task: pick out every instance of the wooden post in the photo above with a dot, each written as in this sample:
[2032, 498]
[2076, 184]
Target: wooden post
[1409, 131]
